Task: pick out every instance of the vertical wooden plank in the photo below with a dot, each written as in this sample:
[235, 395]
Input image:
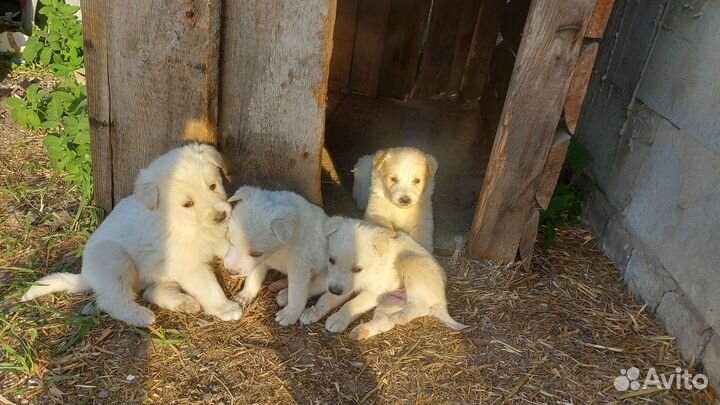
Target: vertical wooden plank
[553, 166]
[343, 45]
[463, 39]
[513, 22]
[407, 21]
[369, 42]
[96, 68]
[599, 19]
[527, 240]
[434, 71]
[481, 48]
[161, 64]
[275, 67]
[579, 85]
[550, 47]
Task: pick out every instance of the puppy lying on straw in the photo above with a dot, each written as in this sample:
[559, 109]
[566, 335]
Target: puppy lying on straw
[395, 188]
[160, 240]
[387, 270]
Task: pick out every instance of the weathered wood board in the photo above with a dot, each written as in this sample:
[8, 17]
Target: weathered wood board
[553, 166]
[481, 49]
[599, 19]
[144, 85]
[403, 42]
[552, 39]
[343, 45]
[275, 66]
[466, 27]
[369, 42]
[579, 85]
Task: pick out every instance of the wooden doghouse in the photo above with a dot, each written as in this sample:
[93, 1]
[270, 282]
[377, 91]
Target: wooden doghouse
[482, 82]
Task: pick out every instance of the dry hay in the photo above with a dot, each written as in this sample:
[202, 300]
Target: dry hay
[558, 333]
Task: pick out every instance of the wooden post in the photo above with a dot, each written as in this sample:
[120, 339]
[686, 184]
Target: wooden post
[275, 66]
[551, 43]
[150, 68]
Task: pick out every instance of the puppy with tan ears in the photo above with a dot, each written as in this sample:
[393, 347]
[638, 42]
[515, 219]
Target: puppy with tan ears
[395, 188]
[378, 264]
[160, 240]
[277, 230]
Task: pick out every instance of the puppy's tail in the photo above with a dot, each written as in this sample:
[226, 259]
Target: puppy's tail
[55, 282]
[201, 131]
[444, 317]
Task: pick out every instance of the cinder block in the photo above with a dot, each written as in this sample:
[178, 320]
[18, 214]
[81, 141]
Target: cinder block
[682, 321]
[647, 278]
[711, 361]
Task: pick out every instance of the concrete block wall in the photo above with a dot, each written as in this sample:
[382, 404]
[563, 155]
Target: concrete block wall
[652, 123]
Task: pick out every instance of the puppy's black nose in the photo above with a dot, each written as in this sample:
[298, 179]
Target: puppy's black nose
[335, 290]
[220, 217]
[405, 200]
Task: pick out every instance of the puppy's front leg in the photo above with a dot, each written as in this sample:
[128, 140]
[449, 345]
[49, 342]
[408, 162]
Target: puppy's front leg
[253, 284]
[202, 284]
[298, 292]
[326, 303]
[340, 320]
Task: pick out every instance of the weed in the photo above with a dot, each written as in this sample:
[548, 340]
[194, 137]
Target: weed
[58, 44]
[565, 206]
[162, 336]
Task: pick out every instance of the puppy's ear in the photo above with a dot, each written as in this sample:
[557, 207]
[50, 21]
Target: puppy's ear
[147, 191]
[212, 155]
[283, 228]
[381, 242]
[432, 164]
[332, 225]
[380, 157]
[241, 194]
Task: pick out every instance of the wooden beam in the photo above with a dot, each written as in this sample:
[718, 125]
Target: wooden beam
[275, 67]
[599, 19]
[553, 36]
[403, 41]
[579, 85]
[369, 43]
[482, 47]
[96, 68]
[343, 45]
[553, 166]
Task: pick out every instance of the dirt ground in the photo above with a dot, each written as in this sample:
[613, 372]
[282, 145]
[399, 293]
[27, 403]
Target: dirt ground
[558, 333]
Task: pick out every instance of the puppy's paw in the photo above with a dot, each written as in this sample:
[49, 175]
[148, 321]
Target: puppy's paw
[310, 315]
[140, 317]
[287, 316]
[282, 297]
[229, 312]
[360, 332]
[400, 318]
[245, 297]
[188, 305]
[336, 323]
[277, 286]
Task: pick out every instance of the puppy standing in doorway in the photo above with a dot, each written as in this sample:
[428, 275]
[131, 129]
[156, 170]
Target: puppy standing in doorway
[160, 240]
[277, 230]
[395, 188]
[382, 267]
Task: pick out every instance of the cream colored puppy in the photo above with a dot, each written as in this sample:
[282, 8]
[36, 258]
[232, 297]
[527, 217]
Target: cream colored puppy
[160, 240]
[395, 188]
[277, 230]
[373, 262]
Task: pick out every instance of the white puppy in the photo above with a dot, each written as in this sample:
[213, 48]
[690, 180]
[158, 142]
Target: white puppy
[374, 262]
[395, 188]
[159, 239]
[277, 230]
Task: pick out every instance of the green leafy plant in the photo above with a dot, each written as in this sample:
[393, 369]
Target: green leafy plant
[62, 112]
[565, 206]
[58, 44]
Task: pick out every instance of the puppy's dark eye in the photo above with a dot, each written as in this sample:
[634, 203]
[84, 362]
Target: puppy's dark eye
[332, 260]
[356, 269]
[212, 187]
[416, 181]
[188, 204]
[256, 254]
[394, 179]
